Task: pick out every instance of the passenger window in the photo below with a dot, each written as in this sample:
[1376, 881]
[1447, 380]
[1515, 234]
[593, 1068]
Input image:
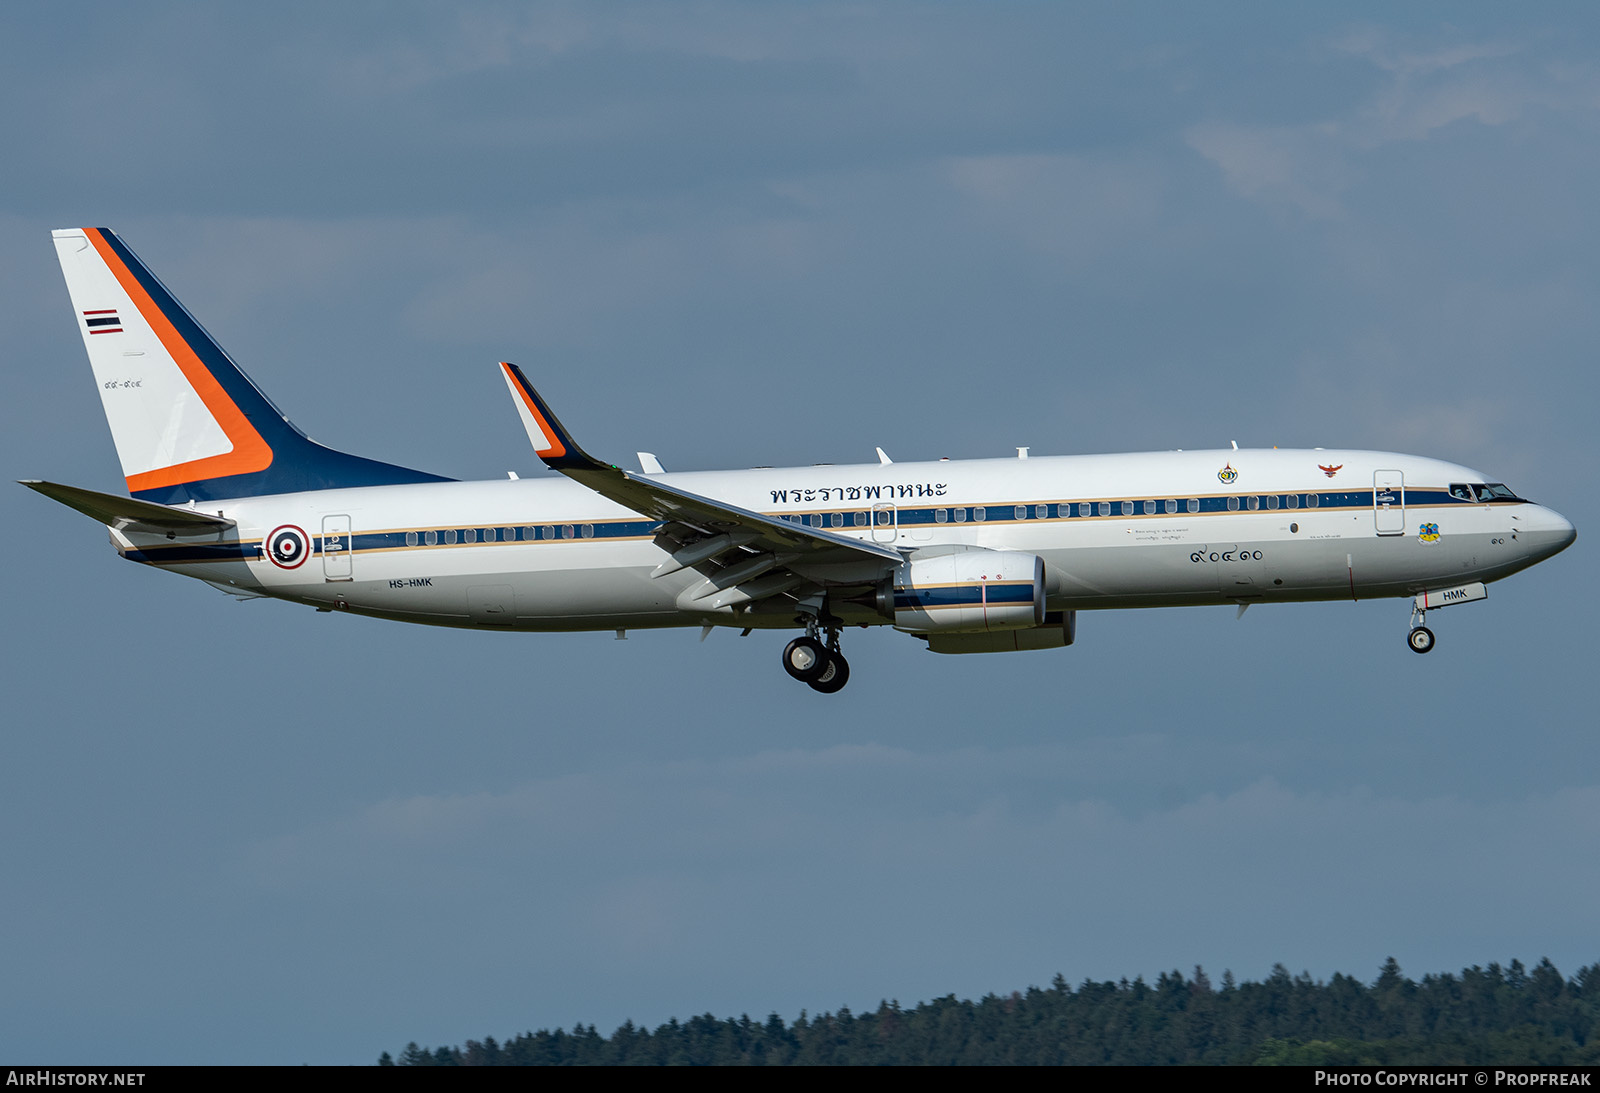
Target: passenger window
[450, 537]
[588, 531]
[1313, 500]
[961, 516]
[1194, 504]
[411, 538]
[1252, 502]
[980, 513]
[1233, 504]
[1149, 508]
[566, 531]
[1272, 501]
[941, 516]
[838, 519]
[430, 537]
[1127, 508]
[469, 535]
[1105, 508]
[1293, 500]
[1021, 512]
[861, 519]
[1043, 512]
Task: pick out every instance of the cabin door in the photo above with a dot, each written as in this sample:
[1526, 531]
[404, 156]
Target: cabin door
[1389, 502]
[336, 548]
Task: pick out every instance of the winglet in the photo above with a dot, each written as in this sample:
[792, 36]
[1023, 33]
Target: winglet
[551, 441]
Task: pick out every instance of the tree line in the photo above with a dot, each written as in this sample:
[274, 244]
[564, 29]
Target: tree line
[1506, 1015]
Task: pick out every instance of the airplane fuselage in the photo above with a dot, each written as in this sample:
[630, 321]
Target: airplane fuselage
[1157, 529]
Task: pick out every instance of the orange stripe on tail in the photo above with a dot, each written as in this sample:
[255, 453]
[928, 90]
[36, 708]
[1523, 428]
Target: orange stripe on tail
[250, 452]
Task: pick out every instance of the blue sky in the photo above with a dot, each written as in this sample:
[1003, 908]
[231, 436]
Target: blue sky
[773, 234]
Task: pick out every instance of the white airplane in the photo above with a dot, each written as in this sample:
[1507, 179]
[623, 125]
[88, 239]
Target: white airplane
[972, 556]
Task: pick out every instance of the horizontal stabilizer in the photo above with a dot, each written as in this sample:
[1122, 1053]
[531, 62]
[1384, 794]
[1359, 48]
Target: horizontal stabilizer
[127, 514]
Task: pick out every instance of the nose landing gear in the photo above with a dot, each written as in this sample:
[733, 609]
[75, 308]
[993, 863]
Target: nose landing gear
[821, 667]
[1421, 638]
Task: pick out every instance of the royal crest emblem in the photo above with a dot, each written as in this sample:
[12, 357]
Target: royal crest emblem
[1227, 474]
[1428, 533]
[1330, 471]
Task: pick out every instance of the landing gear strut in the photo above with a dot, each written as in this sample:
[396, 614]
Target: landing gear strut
[1421, 638]
[821, 667]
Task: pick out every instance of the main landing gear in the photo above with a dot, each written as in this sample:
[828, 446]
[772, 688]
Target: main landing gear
[1421, 638]
[820, 666]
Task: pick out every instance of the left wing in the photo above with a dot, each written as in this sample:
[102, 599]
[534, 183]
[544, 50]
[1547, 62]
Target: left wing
[745, 555]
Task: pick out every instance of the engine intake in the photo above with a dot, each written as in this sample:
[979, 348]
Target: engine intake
[971, 592]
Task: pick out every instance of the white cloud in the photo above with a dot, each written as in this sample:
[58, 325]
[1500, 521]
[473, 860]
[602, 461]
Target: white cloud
[1422, 91]
[1074, 206]
[1302, 165]
[677, 835]
[1379, 47]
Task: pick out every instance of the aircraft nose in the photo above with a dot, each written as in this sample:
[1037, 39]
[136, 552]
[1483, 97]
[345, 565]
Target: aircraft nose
[1551, 531]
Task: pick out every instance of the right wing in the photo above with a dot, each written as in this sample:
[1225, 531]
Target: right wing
[745, 555]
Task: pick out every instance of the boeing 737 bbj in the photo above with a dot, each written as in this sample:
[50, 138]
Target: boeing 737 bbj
[972, 556]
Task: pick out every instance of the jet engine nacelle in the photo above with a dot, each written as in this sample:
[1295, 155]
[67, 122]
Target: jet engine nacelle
[973, 592]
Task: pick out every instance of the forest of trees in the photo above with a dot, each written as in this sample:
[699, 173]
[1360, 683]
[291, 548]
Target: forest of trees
[1505, 1015]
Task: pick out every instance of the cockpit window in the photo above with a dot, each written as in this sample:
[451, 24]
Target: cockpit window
[1482, 491]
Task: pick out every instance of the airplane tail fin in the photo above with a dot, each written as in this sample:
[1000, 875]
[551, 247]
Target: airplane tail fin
[188, 424]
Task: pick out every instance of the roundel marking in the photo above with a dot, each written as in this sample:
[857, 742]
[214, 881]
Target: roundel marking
[288, 547]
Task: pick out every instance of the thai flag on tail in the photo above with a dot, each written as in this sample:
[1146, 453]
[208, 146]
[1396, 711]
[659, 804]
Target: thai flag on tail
[103, 322]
